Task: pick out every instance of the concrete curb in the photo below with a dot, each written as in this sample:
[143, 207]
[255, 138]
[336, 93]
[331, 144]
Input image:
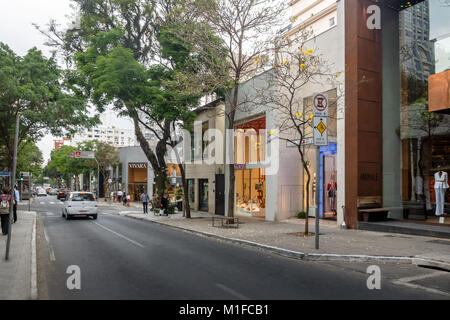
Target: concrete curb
[308, 256]
[34, 290]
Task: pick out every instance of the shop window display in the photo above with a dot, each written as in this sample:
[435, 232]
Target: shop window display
[250, 192]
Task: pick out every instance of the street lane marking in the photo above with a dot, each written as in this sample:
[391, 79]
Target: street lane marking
[406, 282]
[232, 292]
[42, 202]
[121, 235]
[50, 248]
[50, 214]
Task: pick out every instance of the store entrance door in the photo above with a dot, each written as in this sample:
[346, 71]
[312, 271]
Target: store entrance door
[203, 195]
[328, 182]
[220, 194]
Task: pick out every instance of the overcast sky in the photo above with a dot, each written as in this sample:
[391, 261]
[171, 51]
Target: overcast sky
[16, 30]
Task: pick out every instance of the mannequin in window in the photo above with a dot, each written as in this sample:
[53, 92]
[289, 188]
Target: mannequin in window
[331, 188]
[440, 186]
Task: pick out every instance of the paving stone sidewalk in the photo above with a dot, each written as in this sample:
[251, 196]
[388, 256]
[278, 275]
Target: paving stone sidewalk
[15, 273]
[285, 235]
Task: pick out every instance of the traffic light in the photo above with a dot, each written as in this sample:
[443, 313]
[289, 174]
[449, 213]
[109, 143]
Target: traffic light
[21, 177]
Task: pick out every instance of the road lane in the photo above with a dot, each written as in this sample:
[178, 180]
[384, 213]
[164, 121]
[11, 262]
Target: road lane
[170, 264]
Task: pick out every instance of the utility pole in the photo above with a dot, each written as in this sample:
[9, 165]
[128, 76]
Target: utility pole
[12, 180]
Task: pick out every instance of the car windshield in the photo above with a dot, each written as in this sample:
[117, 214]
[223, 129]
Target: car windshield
[82, 197]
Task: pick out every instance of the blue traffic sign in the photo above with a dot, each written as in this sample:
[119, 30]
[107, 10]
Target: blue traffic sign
[4, 174]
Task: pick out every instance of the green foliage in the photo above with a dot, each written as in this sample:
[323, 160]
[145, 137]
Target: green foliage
[301, 215]
[35, 87]
[171, 209]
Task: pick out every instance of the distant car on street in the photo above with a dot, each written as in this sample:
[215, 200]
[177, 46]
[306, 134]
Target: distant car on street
[80, 204]
[53, 192]
[41, 193]
[61, 195]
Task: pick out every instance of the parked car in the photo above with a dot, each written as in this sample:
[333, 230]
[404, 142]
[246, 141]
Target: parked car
[41, 193]
[80, 204]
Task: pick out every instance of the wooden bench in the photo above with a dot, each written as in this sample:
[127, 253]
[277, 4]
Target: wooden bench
[374, 214]
[231, 222]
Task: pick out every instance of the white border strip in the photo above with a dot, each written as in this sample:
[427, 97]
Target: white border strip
[34, 290]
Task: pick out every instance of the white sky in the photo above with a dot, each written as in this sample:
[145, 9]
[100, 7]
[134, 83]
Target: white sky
[17, 31]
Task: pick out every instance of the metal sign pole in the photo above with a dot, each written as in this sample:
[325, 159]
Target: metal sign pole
[316, 232]
[13, 177]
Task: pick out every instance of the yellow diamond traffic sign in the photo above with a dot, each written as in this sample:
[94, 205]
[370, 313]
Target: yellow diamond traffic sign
[321, 127]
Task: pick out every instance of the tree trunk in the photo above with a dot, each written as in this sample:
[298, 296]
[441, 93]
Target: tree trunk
[232, 177]
[305, 166]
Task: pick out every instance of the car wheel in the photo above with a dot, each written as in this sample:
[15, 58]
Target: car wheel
[94, 216]
[68, 216]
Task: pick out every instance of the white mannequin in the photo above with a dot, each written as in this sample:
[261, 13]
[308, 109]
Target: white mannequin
[440, 186]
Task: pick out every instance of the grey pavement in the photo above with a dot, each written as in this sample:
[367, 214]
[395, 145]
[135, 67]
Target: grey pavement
[123, 258]
[286, 235]
[15, 273]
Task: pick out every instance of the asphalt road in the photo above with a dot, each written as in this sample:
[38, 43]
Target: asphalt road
[123, 258]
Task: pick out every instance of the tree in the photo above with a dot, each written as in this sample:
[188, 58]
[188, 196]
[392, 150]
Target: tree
[247, 32]
[125, 53]
[295, 67]
[34, 88]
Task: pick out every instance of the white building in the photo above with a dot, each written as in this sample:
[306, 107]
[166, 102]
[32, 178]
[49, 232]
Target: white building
[111, 135]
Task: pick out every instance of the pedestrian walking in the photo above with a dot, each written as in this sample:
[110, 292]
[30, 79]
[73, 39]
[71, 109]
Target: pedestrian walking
[112, 196]
[144, 199]
[119, 195]
[16, 202]
[124, 199]
[128, 199]
[4, 210]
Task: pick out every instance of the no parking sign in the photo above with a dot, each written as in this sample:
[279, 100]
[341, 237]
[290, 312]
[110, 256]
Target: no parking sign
[320, 105]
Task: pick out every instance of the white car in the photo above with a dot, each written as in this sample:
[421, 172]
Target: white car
[80, 204]
[41, 193]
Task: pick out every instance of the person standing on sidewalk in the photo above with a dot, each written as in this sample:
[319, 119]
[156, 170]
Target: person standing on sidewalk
[144, 199]
[128, 199]
[16, 202]
[119, 195]
[4, 210]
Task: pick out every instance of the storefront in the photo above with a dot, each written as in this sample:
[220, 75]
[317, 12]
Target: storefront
[395, 142]
[137, 179]
[136, 174]
[250, 178]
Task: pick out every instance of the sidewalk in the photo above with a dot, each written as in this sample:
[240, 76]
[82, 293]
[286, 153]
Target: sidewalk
[16, 273]
[335, 244]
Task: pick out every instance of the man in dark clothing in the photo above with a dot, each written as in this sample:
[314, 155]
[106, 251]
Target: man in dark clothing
[165, 203]
[144, 199]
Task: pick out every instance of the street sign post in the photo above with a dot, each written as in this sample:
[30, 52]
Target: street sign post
[320, 128]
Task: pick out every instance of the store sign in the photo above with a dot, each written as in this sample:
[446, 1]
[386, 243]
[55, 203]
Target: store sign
[142, 165]
[82, 155]
[4, 174]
